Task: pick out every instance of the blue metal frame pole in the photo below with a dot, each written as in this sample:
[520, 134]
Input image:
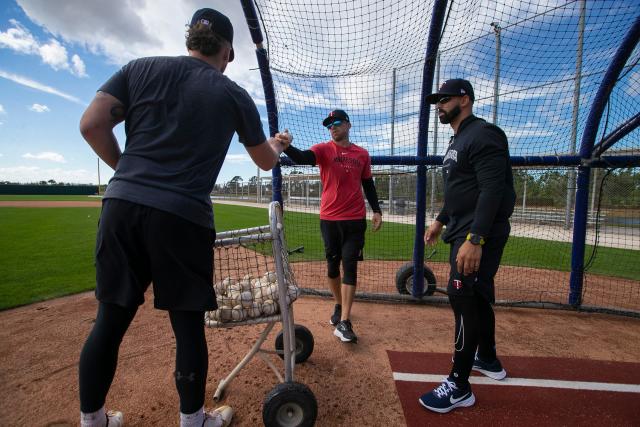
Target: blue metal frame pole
[267, 84]
[586, 149]
[433, 44]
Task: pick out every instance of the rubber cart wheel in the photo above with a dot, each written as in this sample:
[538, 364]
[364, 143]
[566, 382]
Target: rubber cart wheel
[304, 343]
[404, 280]
[290, 405]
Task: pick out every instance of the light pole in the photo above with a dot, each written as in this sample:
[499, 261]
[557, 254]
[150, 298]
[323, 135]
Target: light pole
[497, 29]
[571, 181]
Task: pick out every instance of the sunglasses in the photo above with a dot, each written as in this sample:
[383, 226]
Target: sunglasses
[334, 123]
[444, 99]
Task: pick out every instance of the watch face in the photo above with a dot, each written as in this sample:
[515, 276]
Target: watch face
[475, 239]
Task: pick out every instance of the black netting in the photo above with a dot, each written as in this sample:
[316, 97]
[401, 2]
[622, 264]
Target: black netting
[530, 77]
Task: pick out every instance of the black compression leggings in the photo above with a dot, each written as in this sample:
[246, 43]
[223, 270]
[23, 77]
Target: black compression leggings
[475, 330]
[99, 356]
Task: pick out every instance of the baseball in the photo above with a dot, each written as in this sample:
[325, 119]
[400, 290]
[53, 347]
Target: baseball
[253, 310]
[270, 276]
[228, 281]
[245, 284]
[246, 299]
[269, 307]
[224, 313]
[237, 313]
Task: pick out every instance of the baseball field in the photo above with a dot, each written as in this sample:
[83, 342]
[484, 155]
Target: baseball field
[46, 252]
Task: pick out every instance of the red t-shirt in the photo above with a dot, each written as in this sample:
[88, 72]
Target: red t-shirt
[341, 172]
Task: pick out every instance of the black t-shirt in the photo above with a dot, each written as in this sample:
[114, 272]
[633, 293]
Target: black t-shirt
[181, 114]
[478, 182]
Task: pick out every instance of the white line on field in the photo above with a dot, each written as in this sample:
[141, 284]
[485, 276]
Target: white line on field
[524, 382]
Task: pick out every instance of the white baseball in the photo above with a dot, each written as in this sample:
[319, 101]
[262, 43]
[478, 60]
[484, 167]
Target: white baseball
[269, 307]
[228, 281]
[234, 287]
[273, 291]
[220, 288]
[237, 313]
[292, 294]
[224, 313]
[253, 310]
[245, 284]
[246, 299]
[271, 276]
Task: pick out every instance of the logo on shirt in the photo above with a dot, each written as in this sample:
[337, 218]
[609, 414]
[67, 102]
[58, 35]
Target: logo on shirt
[347, 161]
[457, 284]
[451, 155]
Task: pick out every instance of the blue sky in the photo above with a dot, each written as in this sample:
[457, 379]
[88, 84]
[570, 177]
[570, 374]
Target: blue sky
[55, 55]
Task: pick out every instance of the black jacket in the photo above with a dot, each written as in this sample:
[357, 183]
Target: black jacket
[478, 182]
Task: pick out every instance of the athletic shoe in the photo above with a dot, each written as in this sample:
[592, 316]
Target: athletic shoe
[344, 331]
[447, 396]
[219, 417]
[491, 369]
[115, 419]
[337, 314]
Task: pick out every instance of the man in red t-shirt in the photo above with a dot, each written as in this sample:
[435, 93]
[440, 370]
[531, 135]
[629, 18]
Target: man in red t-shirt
[344, 167]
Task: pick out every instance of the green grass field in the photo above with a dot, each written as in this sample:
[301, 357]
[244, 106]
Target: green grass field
[48, 252]
[5, 197]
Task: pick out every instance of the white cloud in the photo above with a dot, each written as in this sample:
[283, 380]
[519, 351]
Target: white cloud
[2, 110]
[136, 28]
[46, 155]
[78, 67]
[25, 81]
[19, 39]
[39, 108]
[237, 158]
[35, 174]
[53, 53]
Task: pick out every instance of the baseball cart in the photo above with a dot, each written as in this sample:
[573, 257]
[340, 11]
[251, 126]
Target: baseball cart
[255, 285]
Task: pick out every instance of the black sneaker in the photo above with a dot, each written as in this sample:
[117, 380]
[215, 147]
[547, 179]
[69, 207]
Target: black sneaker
[345, 332]
[491, 369]
[337, 314]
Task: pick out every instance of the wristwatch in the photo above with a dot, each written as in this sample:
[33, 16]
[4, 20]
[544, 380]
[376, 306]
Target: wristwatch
[475, 239]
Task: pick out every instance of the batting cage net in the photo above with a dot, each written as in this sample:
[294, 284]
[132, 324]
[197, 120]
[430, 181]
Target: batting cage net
[536, 67]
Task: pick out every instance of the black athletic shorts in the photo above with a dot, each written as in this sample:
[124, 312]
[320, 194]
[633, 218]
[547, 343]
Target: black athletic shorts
[137, 245]
[343, 240]
[480, 282]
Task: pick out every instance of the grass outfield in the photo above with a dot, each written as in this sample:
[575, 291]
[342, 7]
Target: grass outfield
[48, 252]
[62, 197]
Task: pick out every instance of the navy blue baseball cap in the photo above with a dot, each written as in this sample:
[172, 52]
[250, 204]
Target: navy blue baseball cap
[452, 87]
[218, 23]
[335, 115]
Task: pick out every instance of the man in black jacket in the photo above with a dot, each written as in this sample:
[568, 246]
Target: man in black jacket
[478, 201]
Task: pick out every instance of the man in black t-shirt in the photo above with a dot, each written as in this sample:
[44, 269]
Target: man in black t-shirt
[156, 224]
[478, 201]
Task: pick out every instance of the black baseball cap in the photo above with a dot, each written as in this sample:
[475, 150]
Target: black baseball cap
[452, 87]
[218, 23]
[335, 115]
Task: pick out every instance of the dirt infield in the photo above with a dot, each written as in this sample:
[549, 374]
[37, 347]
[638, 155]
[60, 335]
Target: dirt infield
[40, 345]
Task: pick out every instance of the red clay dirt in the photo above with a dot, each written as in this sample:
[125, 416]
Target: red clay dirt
[353, 384]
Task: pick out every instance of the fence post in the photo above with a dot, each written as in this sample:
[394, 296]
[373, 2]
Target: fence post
[433, 44]
[601, 99]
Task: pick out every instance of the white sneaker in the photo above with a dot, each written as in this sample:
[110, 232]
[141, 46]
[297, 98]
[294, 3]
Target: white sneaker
[115, 419]
[219, 417]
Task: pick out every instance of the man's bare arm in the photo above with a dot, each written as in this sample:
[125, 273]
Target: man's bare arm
[266, 156]
[97, 123]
